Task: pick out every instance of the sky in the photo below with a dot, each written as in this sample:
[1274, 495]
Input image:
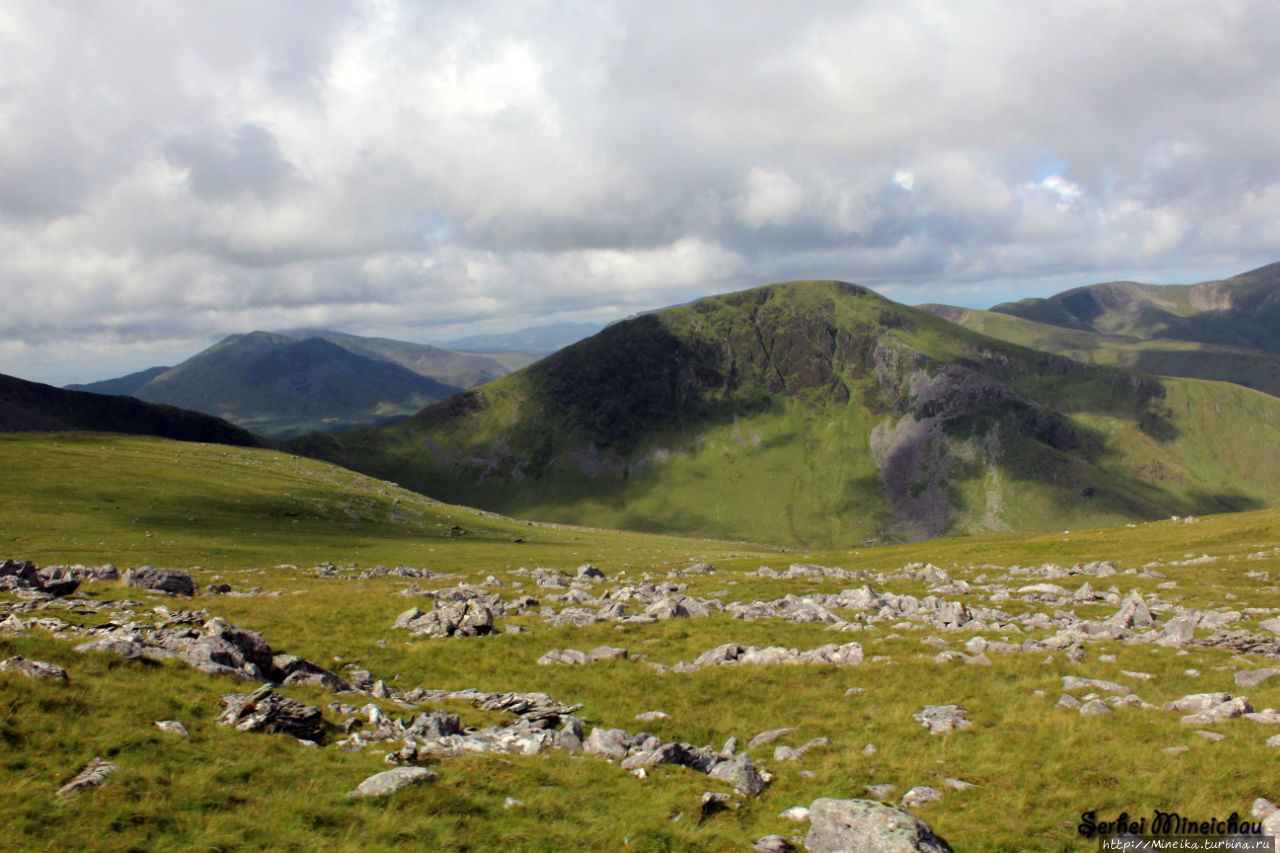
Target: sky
[173, 172]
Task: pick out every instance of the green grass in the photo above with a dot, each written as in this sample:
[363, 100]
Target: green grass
[94, 498]
[680, 421]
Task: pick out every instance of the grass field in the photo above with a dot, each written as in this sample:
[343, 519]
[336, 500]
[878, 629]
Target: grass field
[261, 519]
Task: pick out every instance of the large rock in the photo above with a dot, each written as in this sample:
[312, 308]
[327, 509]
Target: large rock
[610, 743]
[57, 581]
[390, 781]
[466, 618]
[865, 826]
[740, 772]
[1255, 677]
[172, 581]
[943, 719]
[268, 711]
[33, 668]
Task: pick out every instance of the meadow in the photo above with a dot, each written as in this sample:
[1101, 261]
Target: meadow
[262, 521]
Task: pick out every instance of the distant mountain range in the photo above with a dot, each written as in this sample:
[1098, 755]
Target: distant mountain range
[35, 407]
[537, 340]
[821, 414]
[1227, 330]
[282, 385]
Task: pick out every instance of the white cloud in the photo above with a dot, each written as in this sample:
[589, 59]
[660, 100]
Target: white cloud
[770, 198]
[167, 173]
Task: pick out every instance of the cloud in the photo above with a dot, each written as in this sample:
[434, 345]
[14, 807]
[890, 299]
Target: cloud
[249, 163]
[174, 171]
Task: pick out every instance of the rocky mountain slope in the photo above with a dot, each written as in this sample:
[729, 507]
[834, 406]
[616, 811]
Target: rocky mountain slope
[1225, 330]
[820, 413]
[1241, 311]
[34, 407]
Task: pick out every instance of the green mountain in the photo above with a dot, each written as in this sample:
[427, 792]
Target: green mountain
[35, 407]
[460, 369]
[280, 386]
[1225, 330]
[820, 413]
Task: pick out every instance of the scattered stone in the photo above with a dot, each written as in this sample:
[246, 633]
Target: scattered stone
[796, 813]
[1253, 678]
[880, 792]
[1095, 708]
[1213, 736]
[33, 668]
[849, 654]
[171, 581]
[713, 802]
[919, 795]
[773, 844]
[607, 653]
[1072, 682]
[651, 716]
[958, 784]
[1210, 707]
[511, 803]
[1175, 750]
[740, 772]
[1268, 814]
[839, 826]
[91, 775]
[564, 656]
[266, 710]
[467, 617]
[173, 727]
[943, 719]
[610, 743]
[767, 737]
[390, 781]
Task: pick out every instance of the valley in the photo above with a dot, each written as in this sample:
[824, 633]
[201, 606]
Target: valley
[1060, 649]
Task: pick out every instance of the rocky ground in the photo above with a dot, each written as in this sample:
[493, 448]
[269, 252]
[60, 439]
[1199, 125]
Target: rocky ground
[973, 616]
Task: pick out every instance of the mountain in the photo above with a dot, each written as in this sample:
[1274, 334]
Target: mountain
[819, 413]
[459, 369]
[35, 407]
[277, 385]
[539, 340]
[1227, 330]
[1242, 311]
[126, 385]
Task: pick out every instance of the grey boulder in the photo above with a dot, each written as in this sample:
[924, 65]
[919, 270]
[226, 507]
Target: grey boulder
[172, 581]
[390, 781]
[865, 826]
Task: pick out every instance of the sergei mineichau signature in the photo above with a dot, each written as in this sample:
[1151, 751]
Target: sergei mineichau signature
[1166, 823]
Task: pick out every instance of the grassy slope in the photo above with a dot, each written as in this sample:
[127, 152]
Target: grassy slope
[1251, 368]
[33, 406]
[685, 420]
[94, 497]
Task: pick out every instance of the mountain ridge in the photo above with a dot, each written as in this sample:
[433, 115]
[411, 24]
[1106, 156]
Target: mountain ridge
[35, 407]
[1226, 330]
[858, 418]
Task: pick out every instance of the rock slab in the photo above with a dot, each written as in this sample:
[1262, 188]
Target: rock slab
[865, 826]
[390, 781]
